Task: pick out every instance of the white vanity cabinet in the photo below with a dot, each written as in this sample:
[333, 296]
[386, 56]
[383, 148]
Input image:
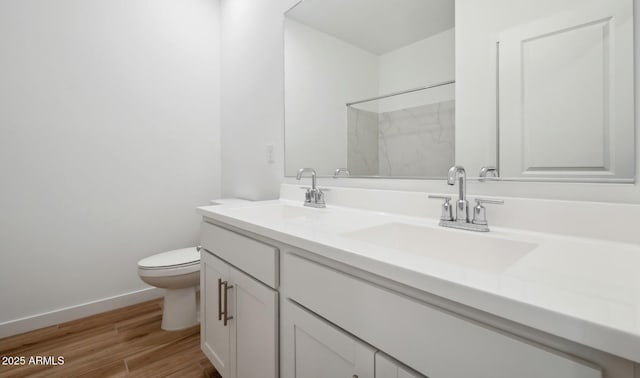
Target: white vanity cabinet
[239, 319]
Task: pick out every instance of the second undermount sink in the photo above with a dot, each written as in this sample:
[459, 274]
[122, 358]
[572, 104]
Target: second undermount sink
[479, 252]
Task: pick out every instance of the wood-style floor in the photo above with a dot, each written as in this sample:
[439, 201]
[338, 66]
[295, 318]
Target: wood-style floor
[127, 342]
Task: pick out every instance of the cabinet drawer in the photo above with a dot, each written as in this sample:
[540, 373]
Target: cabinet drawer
[433, 341]
[253, 257]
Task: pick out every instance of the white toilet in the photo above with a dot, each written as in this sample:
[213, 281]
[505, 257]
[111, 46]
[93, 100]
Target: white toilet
[178, 271]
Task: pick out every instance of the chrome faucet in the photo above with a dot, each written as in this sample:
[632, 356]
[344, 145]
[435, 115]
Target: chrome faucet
[314, 196]
[462, 205]
[461, 219]
[488, 172]
[337, 172]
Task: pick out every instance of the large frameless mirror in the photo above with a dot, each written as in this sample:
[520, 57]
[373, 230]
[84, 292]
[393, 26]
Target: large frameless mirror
[541, 90]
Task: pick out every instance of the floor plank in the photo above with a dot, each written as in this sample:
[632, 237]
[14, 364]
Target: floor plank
[114, 369]
[127, 342]
[157, 362]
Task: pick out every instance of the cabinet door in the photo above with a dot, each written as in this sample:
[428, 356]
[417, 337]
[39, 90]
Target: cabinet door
[313, 348]
[387, 367]
[215, 337]
[255, 326]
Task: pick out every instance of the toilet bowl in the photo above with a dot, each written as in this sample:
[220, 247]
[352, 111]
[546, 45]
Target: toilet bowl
[178, 272]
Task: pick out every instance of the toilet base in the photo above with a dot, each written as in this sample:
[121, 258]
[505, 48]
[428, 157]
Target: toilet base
[180, 309]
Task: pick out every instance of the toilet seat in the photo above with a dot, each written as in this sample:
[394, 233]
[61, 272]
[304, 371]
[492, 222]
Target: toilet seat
[172, 263]
[171, 259]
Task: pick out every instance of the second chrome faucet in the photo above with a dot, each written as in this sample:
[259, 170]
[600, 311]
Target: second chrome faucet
[462, 219]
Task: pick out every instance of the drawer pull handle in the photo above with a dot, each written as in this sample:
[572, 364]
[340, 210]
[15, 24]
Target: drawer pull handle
[226, 303]
[220, 298]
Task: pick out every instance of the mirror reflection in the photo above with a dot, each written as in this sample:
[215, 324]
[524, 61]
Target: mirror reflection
[544, 90]
[369, 87]
[565, 81]
[405, 134]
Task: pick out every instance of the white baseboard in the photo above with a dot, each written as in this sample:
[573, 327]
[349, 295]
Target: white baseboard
[30, 323]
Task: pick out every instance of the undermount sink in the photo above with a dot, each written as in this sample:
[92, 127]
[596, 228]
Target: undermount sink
[480, 252]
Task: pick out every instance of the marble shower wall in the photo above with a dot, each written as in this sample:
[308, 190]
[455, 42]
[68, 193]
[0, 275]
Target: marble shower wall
[362, 137]
[417, 141]
[412, 142]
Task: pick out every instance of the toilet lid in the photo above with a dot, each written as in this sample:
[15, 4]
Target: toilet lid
[178, 257]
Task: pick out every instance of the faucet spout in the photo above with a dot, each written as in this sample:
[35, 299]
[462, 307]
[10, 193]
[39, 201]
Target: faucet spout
[458, 172]
[462, 205]
[313, 176]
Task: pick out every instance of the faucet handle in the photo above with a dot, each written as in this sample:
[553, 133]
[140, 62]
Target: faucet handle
[446, 198]
[319, 198]
[490, 201]
[307, 195]
[447, 209]
[480, 212]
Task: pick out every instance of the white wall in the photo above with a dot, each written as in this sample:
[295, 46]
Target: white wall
[315, 121]
[109, 137]
[253, 96]
[426, 62]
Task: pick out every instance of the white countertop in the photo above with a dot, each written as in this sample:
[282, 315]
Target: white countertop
[584, 290]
